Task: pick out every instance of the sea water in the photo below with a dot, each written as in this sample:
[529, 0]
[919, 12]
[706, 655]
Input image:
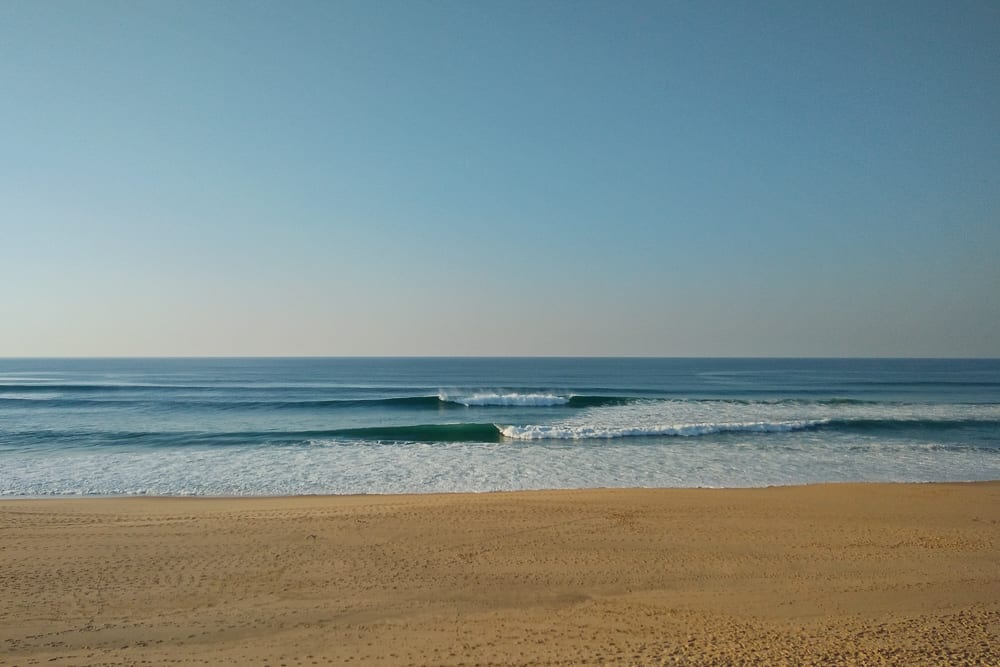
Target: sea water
[352, 425]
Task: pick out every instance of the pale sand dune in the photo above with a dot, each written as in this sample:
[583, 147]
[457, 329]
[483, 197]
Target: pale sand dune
[840, 574]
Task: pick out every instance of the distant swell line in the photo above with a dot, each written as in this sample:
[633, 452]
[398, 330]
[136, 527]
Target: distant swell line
[87, 395]
[430, 402]
[45, 387]
[538, 400]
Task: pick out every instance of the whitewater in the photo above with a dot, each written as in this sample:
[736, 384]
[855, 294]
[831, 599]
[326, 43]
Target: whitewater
[350, 426]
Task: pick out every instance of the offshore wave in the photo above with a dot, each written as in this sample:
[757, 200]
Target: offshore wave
[92, 438]
[557, 432]
[47, 387]
[30, 396]
[431, 402]
[495, 399]
[474, 432]
[159, 395]
[481, 432]
[534, 400]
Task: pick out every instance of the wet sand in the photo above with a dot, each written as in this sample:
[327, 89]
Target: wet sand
[830, 574]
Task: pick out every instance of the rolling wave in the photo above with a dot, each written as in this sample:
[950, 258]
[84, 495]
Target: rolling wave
[476, 432]
[91, 394]
[534, 400]
[84, 395]
[557, 432]
[467, 432]
[479, 432]
[505, 400]
[863, 425]
[47, 387]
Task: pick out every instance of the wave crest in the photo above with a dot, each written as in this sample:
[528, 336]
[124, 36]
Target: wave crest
[681, 430]
[512, 399]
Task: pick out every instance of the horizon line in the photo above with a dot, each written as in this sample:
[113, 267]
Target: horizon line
[497, 356]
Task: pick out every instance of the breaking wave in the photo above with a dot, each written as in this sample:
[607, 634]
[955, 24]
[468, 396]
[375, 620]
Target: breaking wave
[556, 432]
[507, 399]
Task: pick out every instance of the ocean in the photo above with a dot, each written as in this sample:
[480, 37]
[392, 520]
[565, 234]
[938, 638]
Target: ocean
[278, 426]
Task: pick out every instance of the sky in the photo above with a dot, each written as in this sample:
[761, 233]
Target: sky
[499, 178]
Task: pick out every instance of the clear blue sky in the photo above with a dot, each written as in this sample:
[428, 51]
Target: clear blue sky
[465, 178]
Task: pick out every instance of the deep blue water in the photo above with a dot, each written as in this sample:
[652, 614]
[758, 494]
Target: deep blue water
[270, 426]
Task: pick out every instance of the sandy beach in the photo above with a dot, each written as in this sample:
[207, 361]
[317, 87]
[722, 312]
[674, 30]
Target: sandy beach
[831, 574]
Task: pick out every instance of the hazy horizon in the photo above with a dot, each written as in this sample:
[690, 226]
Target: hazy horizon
[500, 179]
[487, 357]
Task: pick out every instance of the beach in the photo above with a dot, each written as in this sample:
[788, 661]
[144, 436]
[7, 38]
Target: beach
[819, 574]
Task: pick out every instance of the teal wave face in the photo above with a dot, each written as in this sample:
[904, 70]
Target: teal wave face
[424, 433]
[92, 396]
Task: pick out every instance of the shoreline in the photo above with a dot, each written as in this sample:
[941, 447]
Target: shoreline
[334, 496]
[901, 573]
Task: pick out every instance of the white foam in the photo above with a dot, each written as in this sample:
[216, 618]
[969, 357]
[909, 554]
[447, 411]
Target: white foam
[509, 399]
[354, 468]
[586, 449]
[541, 432]
[658, 417]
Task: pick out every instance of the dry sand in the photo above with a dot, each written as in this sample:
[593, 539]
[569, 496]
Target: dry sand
[833, 574]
